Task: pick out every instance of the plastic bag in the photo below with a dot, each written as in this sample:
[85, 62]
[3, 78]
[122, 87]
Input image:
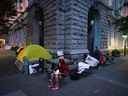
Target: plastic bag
[82, 66]
[30, 69]
[91, 61]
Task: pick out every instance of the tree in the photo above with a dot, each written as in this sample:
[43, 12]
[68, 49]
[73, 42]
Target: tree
[122, 25]
[7, 9]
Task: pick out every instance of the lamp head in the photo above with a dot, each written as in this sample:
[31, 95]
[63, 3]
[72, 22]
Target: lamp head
[124, 36]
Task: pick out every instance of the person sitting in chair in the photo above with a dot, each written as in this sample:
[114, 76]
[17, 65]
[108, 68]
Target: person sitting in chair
[54, 80]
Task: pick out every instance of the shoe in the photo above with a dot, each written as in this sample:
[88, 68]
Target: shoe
[55, 88]
[49, 86]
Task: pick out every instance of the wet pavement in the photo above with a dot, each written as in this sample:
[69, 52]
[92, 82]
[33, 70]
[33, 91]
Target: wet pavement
[14, 83]
[110, 80]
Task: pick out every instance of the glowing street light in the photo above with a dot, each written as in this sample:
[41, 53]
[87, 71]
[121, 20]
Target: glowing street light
[92, 22]
[125, 38]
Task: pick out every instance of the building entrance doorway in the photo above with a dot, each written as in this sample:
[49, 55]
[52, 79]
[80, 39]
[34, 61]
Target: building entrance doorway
[94, 30]
[40, 19]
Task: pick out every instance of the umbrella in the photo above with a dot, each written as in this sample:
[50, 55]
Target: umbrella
[33, 52]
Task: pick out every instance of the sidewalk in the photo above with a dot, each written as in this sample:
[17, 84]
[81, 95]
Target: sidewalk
[111, 80]
[24, 85]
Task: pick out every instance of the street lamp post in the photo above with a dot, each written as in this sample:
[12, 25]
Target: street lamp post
[125, 38]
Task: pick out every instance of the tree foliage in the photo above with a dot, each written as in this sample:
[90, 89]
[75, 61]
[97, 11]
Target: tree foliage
[7, 9]
[122, 25]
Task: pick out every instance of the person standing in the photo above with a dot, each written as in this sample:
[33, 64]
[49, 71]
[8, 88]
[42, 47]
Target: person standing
[41, 64]
[26, 66]
[99, 56]
[97, 53]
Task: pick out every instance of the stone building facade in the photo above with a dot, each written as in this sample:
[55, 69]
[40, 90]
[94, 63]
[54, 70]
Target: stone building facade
[74, 26]
[66, 25]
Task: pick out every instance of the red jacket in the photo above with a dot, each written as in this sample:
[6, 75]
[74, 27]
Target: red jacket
[63, 67]
[102, 58]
